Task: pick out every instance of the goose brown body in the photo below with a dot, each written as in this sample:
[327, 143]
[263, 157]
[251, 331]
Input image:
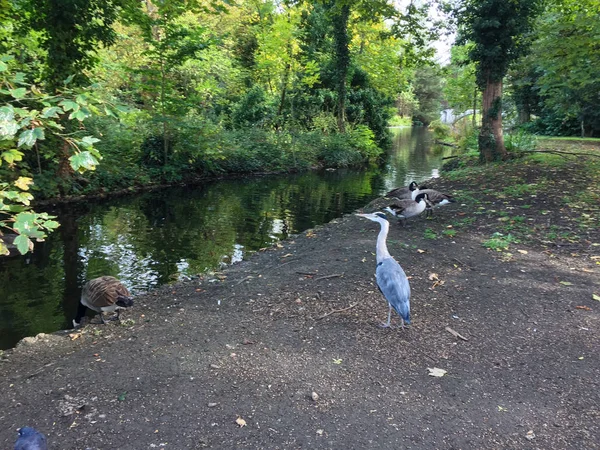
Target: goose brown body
[103, 294]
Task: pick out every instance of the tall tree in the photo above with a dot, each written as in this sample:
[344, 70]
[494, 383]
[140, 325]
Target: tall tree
[498, 31]
[72, 30]
[567, 57]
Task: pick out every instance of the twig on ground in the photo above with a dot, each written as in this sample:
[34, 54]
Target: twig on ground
[337, 311]
[456, 334]
[249, 277]
[335, 275]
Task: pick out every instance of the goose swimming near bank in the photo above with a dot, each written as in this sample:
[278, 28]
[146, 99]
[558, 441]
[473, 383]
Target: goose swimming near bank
[103, 294]
[391, 279]
[405, 208]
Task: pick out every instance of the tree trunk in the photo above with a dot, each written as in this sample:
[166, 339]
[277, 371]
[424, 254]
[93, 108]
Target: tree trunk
[524, 115]
[342, 61]
[64, 170]
[475, 108]
[491, 140]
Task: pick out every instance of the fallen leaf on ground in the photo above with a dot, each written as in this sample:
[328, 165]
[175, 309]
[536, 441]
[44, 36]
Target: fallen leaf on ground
[596, 297]
[74, 336]
[433, 276]
[587, 308]
[435, 372]
[420, 251]
[241, 422]
[566, 283]
[337, 361]
[524, 252]
[287, 255]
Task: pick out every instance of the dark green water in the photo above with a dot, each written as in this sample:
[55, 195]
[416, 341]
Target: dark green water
[159, 237]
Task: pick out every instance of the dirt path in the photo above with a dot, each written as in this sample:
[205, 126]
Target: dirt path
[255, 343]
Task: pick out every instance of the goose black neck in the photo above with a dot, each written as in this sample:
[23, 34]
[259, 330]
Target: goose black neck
[81, 310]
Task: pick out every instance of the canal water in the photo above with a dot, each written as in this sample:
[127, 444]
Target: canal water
[150, 239]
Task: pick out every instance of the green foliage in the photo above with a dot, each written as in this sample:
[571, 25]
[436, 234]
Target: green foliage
[497, 30]
[28, 117]
[520, 141]
[460, 88]
[71, 31]
[252, 110]
[440, 130]
[559, 80]
[428, 92]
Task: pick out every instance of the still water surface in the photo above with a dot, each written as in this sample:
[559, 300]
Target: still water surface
[154, 238]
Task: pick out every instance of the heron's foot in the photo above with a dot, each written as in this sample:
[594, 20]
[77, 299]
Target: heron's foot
[386, 325]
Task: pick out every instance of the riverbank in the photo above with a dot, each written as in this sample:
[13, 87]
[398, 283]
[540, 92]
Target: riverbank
[283, 350]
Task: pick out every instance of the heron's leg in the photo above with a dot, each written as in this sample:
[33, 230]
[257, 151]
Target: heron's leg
[102, 318]
[387, 325]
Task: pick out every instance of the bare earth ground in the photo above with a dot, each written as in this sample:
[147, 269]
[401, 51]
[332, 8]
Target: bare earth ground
[253, 343]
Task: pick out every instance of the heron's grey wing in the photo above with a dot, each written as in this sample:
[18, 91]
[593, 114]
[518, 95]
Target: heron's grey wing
[393, 283]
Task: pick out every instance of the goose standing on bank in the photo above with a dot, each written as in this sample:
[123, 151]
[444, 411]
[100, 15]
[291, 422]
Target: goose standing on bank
[405, 208]
[391, 279]
[437, 198]
[403, 192]
[103, 294]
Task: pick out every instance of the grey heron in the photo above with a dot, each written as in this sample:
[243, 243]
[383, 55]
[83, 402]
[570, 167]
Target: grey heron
[391, 279]
[405, 208]
[103, 294]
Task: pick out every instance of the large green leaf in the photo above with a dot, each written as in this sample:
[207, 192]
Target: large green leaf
[24, 222]
[12, 155]
[52, 111]
[83, 161]
[18, 93]
[3, 66]
[23, 244]
[69, 105]
[27, 138]
[88, 141]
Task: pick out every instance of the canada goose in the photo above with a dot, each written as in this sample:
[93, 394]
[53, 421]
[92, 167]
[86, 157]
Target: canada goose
[30, 439]
[103, 294]
[435, 197]
[391, 279]
[405, 208]
[403, 192]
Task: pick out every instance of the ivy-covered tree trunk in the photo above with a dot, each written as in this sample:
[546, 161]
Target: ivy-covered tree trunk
[491, 139]
[342, 61]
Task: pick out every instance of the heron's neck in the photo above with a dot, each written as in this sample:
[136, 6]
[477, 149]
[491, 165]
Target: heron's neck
[382, 251]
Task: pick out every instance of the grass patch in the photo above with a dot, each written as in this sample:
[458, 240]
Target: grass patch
[449, 233]
[499, 242]
[430, 234]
